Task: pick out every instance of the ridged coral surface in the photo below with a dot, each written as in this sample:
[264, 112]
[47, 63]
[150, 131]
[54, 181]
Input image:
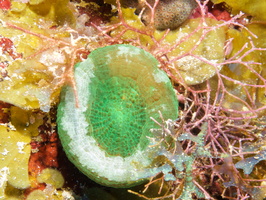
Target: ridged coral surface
[119, 88]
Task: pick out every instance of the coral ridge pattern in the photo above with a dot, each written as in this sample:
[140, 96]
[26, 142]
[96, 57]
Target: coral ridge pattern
[120, 88]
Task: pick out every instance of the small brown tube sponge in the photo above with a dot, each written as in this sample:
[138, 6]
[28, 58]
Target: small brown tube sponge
[168, 13]
[120, 88]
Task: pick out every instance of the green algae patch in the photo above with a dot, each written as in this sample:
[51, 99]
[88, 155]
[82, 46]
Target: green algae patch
[15, 150]
[202, 55]
[251, 74]
[26, 121]
[58, 12]
[33, 62]
[37, 194]
[50, 193]
[52, 177]
[119, 89]
[14, 155]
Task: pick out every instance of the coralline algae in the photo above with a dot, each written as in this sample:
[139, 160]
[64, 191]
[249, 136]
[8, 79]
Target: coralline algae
[120, 88]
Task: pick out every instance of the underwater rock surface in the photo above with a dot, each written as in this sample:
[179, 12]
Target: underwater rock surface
[119, 88]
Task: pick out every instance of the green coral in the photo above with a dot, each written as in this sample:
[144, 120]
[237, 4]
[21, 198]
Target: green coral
[119, 88]
[118, 116]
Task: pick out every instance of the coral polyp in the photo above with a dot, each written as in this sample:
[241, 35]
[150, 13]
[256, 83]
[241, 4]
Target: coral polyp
[120, 88]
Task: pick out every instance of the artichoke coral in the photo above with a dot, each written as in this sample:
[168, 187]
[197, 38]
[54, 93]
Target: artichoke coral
[119, 89]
